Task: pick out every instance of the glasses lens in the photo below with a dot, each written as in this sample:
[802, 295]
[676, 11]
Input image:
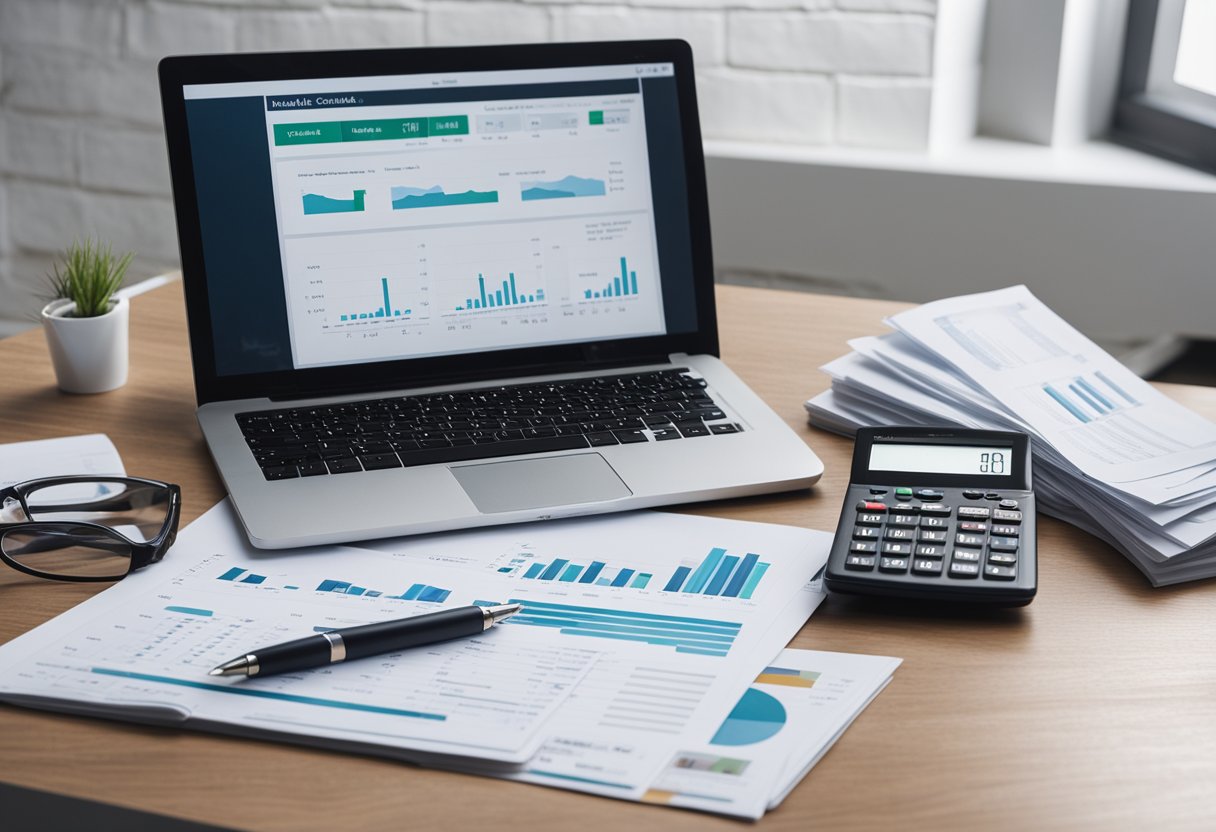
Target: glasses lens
[136, 510]
[67, 550]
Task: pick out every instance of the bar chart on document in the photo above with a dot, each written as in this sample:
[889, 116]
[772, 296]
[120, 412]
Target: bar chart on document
[160, 650]
[667, 594]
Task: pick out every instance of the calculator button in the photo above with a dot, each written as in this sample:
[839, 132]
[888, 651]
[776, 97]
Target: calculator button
[904, 520]
[971, 494]
[893, 565]
[968, 540]
[878, 491]
[936, 509]
[862, 547]
[1003, 544]
[1005, 531]
[1007, 516]
[897, 548]
[899, 534]
[1008, 504]
[964, 570]
[1002, 558]
[929, 536]
[869, 519]
[929, 494]
[992, 495]
[966, 556]
[904, 508]
[927, 567]
[930, 551]
[870, 505]
[865, 533]
[903, 493]
[973, 526]
[861, 562]
[934, 523]
[975, 512]
[1000, 573]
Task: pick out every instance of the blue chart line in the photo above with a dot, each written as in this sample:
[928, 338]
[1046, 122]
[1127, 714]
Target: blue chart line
[265, 694]
[700, 636]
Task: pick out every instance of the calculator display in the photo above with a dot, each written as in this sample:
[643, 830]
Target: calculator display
[976, 460]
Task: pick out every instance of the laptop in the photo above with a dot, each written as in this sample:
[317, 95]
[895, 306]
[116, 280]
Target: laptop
[431, 289]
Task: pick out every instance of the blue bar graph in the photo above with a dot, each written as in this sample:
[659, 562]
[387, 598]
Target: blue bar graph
[623, 285]
[622, 577]
[736, 582]
[754, 581]
[700, 636]
[385, 311]
[700, 577]
[719, 579]
[417, 592]
[505, 295]
[1066, 403]
[593, 572]
[554, 568]
[731, 576]
[677, 580]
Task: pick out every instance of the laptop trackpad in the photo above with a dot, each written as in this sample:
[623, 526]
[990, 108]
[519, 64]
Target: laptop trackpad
[536, 483]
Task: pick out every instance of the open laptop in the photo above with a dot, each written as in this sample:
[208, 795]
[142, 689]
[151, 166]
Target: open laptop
[432, 289]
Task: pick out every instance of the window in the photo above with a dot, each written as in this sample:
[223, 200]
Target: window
[1167, 97]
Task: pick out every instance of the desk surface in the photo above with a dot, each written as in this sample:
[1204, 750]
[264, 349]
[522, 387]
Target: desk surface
[1094, 706]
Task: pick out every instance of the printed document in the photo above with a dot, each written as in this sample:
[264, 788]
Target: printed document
[1111, 424]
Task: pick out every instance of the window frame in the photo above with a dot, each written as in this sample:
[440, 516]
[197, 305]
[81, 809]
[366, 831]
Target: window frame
[1147, 120]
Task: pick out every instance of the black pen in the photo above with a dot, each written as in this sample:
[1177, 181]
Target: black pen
[367, 640]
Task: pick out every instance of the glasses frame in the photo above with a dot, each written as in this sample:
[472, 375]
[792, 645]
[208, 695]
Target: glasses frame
[142, 552]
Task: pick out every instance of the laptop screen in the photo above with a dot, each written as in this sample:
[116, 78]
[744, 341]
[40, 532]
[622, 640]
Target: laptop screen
[355, 220]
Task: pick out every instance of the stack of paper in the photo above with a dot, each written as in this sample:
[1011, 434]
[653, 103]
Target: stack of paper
[1112, 455]
[637, 669]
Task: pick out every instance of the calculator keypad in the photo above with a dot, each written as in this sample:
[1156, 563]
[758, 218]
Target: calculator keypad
[929, 536]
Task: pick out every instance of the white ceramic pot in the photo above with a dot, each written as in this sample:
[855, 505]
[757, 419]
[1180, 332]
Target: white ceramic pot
[89, 354]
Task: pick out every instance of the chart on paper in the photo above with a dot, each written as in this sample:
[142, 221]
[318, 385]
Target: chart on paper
[159, 648]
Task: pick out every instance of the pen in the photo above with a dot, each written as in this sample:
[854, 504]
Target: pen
[367, 640]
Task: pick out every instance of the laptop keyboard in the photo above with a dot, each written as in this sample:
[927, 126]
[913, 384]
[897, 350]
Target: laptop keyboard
[483, 424]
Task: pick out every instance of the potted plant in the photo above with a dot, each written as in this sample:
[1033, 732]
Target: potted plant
[86, 325]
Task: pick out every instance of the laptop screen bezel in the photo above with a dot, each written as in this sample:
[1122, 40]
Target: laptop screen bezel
[177, 72]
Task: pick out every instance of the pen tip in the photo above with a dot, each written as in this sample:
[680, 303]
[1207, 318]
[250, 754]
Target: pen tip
[216, 671]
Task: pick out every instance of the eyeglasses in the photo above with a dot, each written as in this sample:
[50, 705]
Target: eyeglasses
[87, 528]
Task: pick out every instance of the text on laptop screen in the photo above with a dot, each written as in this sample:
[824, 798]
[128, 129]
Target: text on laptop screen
[382, 218]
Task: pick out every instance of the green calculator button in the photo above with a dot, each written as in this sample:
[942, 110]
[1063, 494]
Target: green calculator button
[903, 493]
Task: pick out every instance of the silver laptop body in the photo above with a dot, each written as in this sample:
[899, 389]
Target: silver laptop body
[361, 230]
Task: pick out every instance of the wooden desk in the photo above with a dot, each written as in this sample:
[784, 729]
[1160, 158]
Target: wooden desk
[1094, 707]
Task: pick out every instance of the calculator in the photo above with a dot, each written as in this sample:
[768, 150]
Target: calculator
[943, 514]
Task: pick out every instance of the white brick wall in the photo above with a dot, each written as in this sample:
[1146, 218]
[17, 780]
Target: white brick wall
[81, 148]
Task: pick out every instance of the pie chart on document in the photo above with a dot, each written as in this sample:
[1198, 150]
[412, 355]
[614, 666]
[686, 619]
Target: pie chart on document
[755, 718]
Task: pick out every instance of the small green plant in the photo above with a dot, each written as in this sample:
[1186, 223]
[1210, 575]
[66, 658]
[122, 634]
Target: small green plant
[89, 276]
